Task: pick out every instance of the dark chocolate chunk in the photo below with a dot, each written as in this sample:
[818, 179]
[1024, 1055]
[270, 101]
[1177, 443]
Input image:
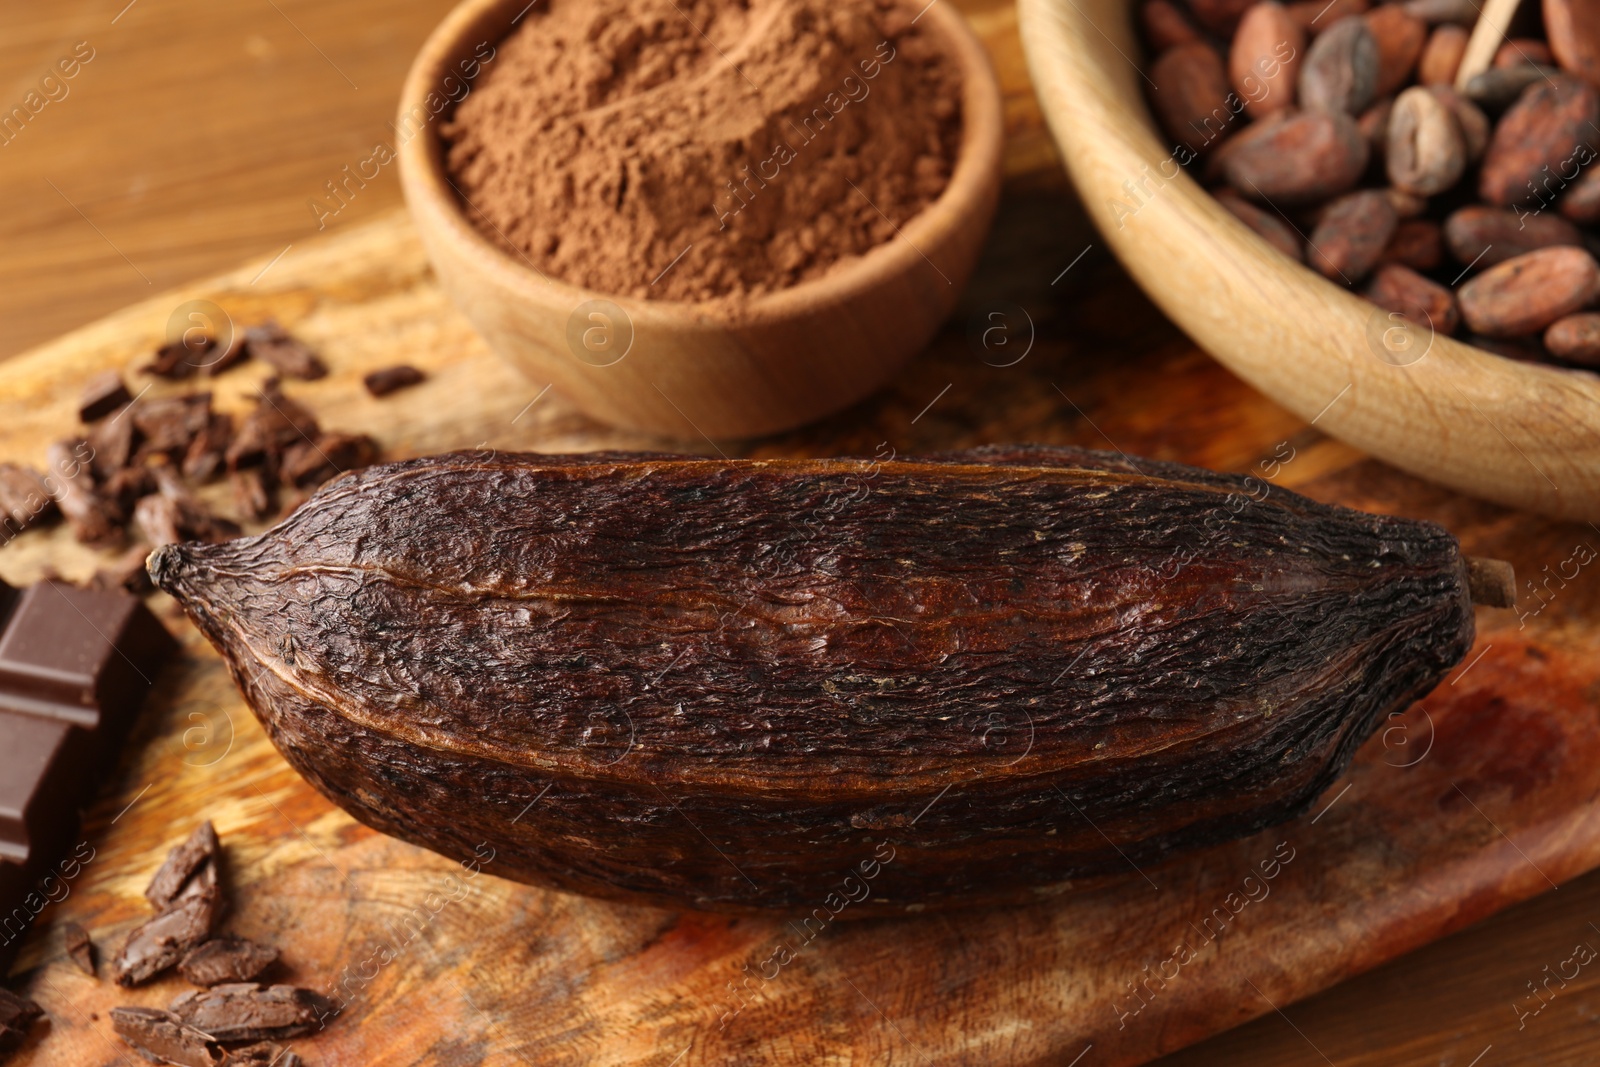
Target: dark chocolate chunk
[264, 1054]
[248, 1011]
[183, 862]
[227, 959]
[207, 451]
[310, 463]
[112, 441]
[250, 494]
[71, 483]
[161, 942]
[170, 423]
[17, 1016]
[38, 787]
[183, 358]
[225, 358]
[24, 500]
[80, 655]
[157, 518]
[285, 353]
[164, 1038]
[392, 379]
[102, 394]
[123, 490]
[176, 514]
[276, 423]
[80, 948]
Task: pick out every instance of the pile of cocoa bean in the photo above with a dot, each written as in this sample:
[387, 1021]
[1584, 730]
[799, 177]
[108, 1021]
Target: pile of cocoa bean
[1352, 140]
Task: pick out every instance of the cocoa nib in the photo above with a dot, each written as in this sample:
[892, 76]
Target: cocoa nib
[164, 1038]
[392, 379]
[226, 959]
[248, 1011]
[80, 949]
[102, 394]
[286, 354]
[183, 862]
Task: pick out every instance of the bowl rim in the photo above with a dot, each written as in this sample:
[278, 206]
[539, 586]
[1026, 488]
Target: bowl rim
[978, 161]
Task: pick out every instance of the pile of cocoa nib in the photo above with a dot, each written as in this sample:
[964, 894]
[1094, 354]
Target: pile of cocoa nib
[1454, 187]
[127, 480]
[231, 1018]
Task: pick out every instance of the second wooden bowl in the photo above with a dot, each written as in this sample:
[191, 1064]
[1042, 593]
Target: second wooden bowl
[1516, 433]
[691, 370]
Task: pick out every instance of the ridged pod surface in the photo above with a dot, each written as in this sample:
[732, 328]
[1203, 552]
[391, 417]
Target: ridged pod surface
[920, 683]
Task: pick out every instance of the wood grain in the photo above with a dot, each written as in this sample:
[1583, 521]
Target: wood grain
[1104, 370]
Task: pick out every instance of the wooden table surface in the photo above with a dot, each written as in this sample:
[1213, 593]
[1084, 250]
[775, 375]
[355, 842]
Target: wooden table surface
[195, 137]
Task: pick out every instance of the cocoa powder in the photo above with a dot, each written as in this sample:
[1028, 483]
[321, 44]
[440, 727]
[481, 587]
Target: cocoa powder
[705, 149]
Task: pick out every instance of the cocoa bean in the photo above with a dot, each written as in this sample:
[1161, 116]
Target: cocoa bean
[1340, 71]
[1417, 243]
[1271, 228]
[1575, 338]
[1549, 125]
[1474, 124]
[1400, 38]
[1307, 157]
[1463, 13]
[1442, 55]
[1425, 153]
[1398, 288]
[1374, 126]
[1573, 29]
[1314, 16]
[1581, 201]
[1165, 26]
[1496, 90]
[1524, 295]
[1519, 50]
[1264, 61]
[1485, 237]
[1214, 170]
[1406, 205]
[1219, 16]
[1191, 96]
[1351, 236]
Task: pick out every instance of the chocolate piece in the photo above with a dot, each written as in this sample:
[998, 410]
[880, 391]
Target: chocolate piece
[276, 423]
[17, 1016]
[24, 499]
[163, 1038]
[264, 1054]
[79, 655]
[207, 451]
[161, 942]
[181, 865]
[170, 423]
[127, 573]
[227, 959]
[250, 493]
[72, 485]
[249, 1011]
[157, 518]
[102, 394]
[183, 358]
[38, 785]
[122, 491]
[176, 514]
[285, 353]
[80, 949]
[112, 441]
[225, 359]
[310, 463]
[392, 379]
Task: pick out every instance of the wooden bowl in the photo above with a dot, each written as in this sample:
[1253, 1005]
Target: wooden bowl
[692, 370]
[1517, 433]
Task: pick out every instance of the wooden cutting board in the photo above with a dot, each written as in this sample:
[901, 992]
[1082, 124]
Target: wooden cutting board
[1481, 795]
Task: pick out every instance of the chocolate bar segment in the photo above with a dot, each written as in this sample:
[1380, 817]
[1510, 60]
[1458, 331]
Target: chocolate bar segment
[39, 785]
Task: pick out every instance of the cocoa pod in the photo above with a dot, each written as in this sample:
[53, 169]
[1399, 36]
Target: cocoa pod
[1463, 13]
[1441, 56]
[1470, 119]
[1483, 237]
[1419, 300]
[1165, 26]
[1399, 38]
[1417, 243]
[1551, 122]
[1191, 96]
[1264, 61]
[1425, 153]
[1575, 338]
[1581, 201]
[1524, 295]
[1495, 90]
[1573, 30]
[1314, 16]
[1268, 226]
[1520, 50]
[1305, 158]
[1351, 235]
[1340, 71]
[724, 684]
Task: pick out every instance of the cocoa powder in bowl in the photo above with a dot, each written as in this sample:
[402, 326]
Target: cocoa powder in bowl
[699, 150]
